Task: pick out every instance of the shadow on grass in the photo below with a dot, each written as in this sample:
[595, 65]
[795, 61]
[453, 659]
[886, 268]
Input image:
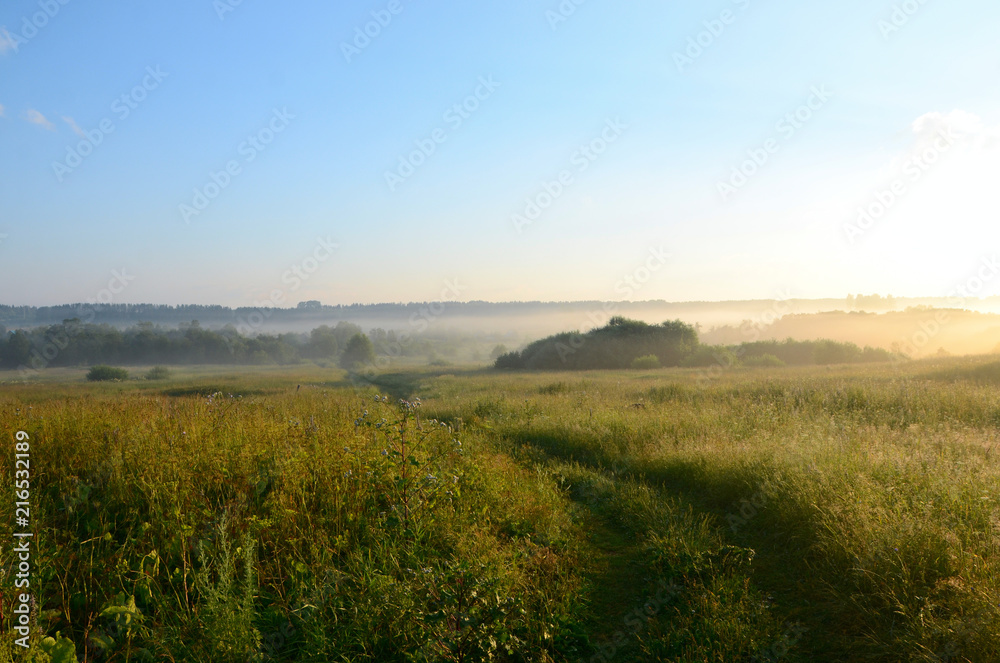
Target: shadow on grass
[783, 534]
[404, 385]
[982, 374]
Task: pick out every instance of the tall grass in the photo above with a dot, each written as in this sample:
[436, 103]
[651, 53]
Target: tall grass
[772, 514]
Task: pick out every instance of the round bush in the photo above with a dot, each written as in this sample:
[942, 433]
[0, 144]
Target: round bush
[158, 373]
[106, 374]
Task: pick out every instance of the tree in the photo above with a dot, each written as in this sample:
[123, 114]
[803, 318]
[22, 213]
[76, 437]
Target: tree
[322, 343]
[358, 352]
[18, 349]
[344, 331]
[509, 360]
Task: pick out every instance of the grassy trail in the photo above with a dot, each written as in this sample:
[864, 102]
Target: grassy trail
[615, 572]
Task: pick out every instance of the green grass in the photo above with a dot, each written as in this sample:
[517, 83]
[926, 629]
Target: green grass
[296, 514]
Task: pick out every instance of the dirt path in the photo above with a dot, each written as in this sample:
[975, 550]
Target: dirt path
[617, 579]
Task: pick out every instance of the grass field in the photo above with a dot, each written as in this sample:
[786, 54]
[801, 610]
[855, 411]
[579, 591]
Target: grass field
[288, 514]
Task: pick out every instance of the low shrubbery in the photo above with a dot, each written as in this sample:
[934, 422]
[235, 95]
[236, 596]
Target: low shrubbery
[765, 360]
[632, 344]
[158, 373]
[106, 374]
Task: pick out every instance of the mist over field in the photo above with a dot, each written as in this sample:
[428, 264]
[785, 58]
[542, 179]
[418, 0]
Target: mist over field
[918, 327]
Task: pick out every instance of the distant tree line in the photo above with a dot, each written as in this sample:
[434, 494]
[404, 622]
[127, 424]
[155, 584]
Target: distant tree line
[314, 312]
[245, 317]
[625, 343]
[75, 343]
[622, 343]
[788, 353]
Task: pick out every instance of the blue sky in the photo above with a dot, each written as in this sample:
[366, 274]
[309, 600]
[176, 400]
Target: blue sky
[311, 128]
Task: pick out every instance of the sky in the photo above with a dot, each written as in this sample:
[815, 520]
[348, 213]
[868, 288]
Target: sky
[250, 153]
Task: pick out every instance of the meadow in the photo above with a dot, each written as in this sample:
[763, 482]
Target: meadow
[844, 513]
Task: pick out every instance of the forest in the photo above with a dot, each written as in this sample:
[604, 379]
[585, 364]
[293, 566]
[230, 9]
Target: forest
[74, 343]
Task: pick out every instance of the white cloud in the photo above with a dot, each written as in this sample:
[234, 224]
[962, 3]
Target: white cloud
[964, 126]
[35, 117]
[74, 126]
[925, 215]
[939, 142]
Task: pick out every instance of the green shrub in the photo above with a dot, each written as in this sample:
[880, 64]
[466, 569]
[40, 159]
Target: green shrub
[646, 362]
[763, 360]
[106, 374]
[704, 355]
[158, 373]
[509, 360]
